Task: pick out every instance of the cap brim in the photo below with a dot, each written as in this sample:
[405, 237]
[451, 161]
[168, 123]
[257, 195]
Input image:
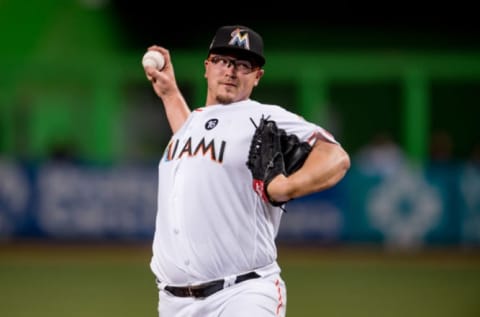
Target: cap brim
[239, 53]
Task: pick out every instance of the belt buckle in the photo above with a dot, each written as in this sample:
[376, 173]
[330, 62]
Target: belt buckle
[189, 291]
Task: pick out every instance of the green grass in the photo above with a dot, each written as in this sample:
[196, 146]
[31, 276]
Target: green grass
[76, 281]
[357, 283]
[115, 281]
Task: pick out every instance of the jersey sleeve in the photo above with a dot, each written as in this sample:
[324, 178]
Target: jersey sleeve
[306, 131]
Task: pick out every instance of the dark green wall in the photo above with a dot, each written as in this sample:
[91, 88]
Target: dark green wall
[72, 86]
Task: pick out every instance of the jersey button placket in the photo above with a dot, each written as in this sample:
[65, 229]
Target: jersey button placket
[178, 214]
[176, 207]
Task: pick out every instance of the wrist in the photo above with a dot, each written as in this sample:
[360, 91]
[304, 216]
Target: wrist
[278, 189]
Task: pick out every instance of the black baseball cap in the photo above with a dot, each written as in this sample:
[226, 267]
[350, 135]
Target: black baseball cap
[239, 40]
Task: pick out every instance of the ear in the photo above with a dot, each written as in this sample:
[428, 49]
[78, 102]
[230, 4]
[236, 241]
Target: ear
[205, 62]
[258, 75]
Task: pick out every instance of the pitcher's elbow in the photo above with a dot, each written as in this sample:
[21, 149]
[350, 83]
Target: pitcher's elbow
[345, 162]
[343, 166]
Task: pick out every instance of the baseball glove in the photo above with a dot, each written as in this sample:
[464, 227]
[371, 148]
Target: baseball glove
[294, 152]
[273, 152]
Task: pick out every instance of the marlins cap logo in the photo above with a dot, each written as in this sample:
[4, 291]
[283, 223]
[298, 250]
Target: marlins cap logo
[239, 39]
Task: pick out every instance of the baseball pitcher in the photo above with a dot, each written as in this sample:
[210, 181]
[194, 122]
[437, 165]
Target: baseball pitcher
[224, 181]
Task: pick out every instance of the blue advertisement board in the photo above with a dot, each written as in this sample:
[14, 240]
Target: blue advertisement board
[433, 205]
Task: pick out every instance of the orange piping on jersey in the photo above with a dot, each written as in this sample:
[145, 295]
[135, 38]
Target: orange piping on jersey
[280, 298]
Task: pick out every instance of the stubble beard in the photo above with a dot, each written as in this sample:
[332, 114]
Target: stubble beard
[224, 99]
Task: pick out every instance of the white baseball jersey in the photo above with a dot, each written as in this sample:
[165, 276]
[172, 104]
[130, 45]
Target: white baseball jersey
[210, 223]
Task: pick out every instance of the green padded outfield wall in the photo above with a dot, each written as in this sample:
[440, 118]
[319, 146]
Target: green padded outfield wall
[69, 86]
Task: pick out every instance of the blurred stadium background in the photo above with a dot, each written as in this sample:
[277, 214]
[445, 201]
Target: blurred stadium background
[81, 133]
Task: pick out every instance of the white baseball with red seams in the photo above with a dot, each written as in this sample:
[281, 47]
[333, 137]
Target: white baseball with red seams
[153, 59]
[206, 202]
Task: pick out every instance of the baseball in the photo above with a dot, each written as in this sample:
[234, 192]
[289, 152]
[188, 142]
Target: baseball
[153, 59]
